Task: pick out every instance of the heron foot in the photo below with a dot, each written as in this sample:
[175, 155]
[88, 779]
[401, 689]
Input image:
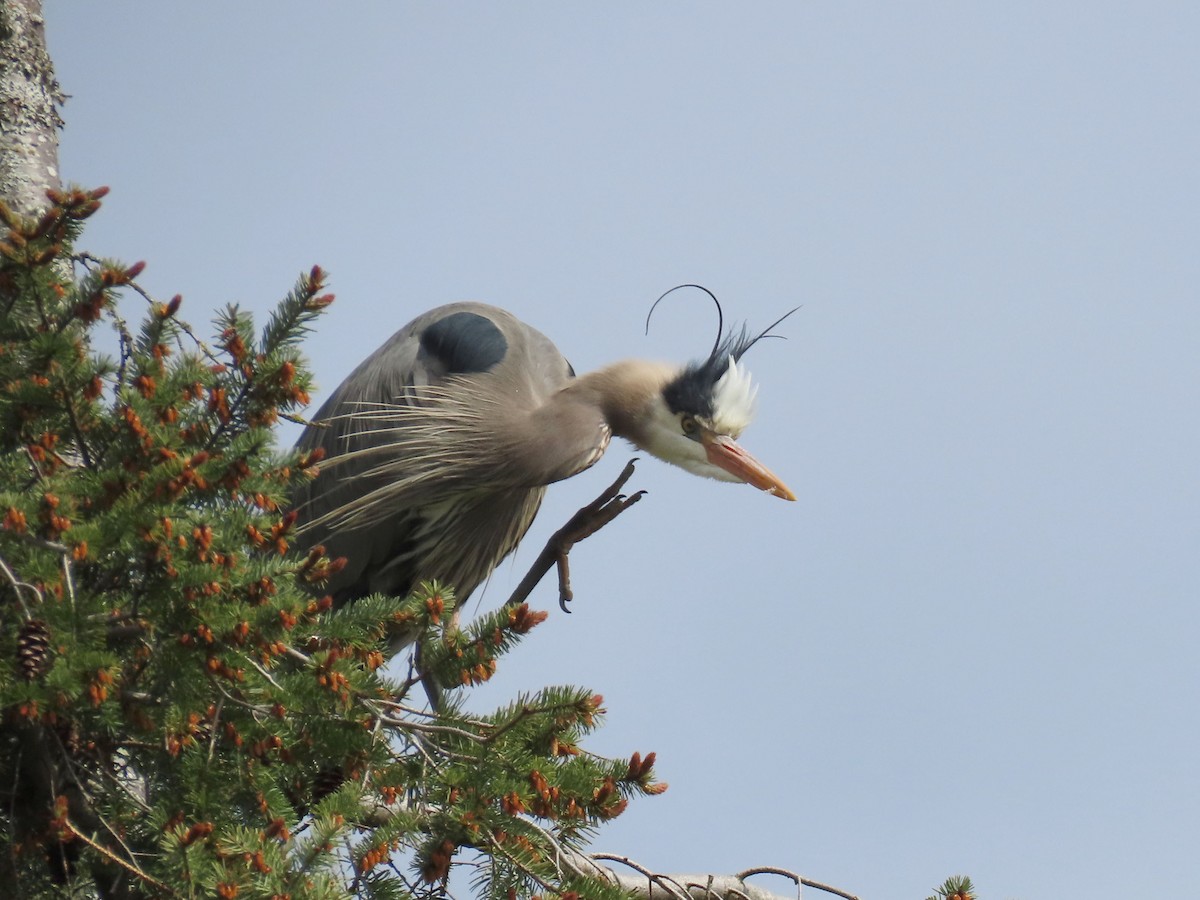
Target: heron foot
[586, 522]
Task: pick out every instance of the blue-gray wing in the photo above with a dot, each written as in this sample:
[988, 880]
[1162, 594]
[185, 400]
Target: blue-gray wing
[432, 426]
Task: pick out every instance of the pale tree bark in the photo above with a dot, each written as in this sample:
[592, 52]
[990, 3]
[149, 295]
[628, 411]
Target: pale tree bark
[29, 124]
[29, 101]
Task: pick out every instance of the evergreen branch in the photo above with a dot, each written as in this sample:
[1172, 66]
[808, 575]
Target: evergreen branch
[81, 777]
[499, 849]
[292, 317]
[265, 674]
[212, 740]
[88, 260]
[524, 713]
[224, 424]
[404, 708]
[300, 420]
[32, 539]
[425, 728]
[298, 655]
[565, 858]
[956, 887]
[124, 864]
[17, 587]
[68, 579]
[125, 339]
[127, 783]
[34, 466]
[73, 419]
[258, 708]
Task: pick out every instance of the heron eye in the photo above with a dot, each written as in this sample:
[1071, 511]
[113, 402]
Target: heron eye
[689, 426]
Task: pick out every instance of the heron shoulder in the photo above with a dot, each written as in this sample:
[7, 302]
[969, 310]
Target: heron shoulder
[492, 348]
[463, 342]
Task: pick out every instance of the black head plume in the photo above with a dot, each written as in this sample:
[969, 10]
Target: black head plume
[699, 287]
[694, 389]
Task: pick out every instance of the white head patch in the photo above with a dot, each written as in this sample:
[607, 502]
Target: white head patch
[733, 400]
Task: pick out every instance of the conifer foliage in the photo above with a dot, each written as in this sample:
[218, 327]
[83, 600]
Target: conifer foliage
[181, 713]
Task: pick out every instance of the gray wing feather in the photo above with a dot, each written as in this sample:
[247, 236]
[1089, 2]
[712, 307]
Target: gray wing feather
[431, 472]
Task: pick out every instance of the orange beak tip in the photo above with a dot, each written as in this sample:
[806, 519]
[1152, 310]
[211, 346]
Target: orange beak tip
[784, 493]
[725, 453]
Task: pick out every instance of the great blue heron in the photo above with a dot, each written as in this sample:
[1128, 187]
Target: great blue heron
[440, 445]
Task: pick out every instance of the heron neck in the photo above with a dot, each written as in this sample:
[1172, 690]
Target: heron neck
[624, 392]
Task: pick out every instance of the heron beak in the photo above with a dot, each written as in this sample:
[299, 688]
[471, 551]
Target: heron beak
[725, 452]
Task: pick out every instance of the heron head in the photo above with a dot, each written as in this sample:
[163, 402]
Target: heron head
[696, 419]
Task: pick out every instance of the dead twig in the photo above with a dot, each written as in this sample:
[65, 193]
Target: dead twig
[786, 873]
[123, 863]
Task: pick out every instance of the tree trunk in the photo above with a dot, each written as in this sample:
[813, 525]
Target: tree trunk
[29, 100]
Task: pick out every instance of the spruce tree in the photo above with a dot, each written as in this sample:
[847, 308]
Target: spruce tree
[183, 713]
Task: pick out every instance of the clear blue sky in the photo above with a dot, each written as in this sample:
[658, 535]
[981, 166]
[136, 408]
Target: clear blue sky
[971, 646]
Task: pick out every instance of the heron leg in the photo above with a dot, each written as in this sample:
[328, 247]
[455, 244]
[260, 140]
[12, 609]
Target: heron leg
[586, 522]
